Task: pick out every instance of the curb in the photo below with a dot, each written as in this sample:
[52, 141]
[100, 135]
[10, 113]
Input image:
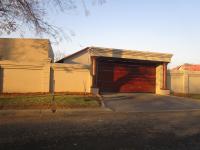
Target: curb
[159, 111]
[46, 112]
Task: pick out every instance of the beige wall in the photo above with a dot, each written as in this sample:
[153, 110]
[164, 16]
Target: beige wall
[25, 65]
[25, 50]
[79, 66]
[194, 83]
[30, 78]
[71, 78]
[186, 82]
[176, 82]
[82, 58]
[159, 78]
[23, 78]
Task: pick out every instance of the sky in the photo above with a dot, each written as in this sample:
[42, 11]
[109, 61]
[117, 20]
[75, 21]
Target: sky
[167, 26]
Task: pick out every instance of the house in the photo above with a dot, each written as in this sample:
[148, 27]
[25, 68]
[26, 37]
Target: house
[26, 66]
[35, 51]
[117, 70]
[184, 79]
[188, 67]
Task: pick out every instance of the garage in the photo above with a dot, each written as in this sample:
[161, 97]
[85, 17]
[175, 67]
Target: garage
[119, 70]
[124, 75]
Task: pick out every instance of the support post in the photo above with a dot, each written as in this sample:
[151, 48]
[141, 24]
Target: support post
[94, 68]
[94, 88]
[164, 87]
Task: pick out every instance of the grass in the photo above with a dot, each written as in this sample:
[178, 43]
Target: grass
[45, 101]
[195, 96]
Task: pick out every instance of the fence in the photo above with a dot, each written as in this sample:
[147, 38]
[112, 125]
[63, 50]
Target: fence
[33, 78]
[24, 78]
[71, 78]
[186, 82]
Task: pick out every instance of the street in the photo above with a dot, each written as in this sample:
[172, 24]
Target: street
[102, 130]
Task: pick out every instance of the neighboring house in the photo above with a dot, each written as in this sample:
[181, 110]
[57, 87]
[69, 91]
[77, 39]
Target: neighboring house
[35, 51]
[185, 79]
[24, 65]
[188, 67]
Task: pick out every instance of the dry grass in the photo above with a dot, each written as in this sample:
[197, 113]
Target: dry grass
[195, 96]
[45, 101]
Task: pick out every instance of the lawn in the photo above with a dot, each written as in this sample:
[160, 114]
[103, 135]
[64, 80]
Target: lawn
[45, 101]
[195, 96]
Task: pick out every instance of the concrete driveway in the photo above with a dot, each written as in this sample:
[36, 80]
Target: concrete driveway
[140, 102]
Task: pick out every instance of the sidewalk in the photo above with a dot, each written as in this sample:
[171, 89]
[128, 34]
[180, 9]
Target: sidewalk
[47, 112]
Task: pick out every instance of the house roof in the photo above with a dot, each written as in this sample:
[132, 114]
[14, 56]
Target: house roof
[71, 55]
[122, 53]
[188, 67]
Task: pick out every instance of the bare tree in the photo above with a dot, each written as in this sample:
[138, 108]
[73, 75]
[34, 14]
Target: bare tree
[14, 14]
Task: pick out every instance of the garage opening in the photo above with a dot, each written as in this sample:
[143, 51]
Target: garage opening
[125, 76]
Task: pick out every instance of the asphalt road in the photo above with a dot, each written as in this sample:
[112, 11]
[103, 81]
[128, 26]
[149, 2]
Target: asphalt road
[102, 130]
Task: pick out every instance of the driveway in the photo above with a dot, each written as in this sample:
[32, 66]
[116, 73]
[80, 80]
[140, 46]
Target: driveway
[140, 102]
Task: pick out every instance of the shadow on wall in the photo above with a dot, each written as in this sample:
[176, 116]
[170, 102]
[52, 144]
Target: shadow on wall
[52, 81]
[23, 50]
[1, 80]
[5, 49]
[100, 77]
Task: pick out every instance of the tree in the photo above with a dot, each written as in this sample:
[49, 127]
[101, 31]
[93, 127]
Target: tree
[14, 14]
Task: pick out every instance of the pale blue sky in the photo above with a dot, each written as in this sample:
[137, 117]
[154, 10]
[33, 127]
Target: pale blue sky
[171, 26]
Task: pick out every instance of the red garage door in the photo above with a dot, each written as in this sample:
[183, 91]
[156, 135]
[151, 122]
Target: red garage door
[126, 77]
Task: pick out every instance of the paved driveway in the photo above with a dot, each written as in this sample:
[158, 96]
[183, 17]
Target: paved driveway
[134, 102]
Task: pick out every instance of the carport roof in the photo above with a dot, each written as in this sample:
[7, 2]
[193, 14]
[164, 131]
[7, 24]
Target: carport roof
[122, 53]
